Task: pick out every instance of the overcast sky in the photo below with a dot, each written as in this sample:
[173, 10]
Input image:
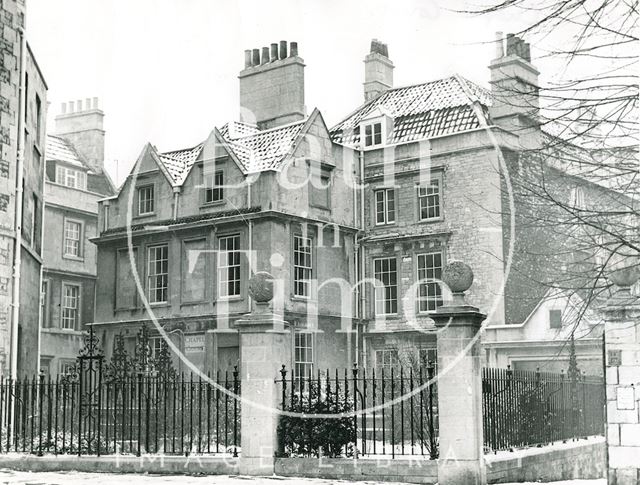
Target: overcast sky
[166, 70]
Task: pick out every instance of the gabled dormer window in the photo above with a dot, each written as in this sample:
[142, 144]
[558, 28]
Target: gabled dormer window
[71, 177]
[214, 187]
[146, 200]
[373, 134]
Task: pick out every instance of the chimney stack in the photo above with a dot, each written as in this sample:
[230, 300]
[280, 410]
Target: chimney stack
[514, 86]
[82, 125]
[272, 87]
[378, 70]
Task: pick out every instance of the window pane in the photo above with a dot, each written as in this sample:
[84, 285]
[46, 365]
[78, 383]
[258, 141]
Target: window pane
[302, 266]
[386, 291]
[158, 274]
[303, 354]
[229, 266]
[429, 274]
[146, 200]
[70, 306]
[72, 232]
[429, 200]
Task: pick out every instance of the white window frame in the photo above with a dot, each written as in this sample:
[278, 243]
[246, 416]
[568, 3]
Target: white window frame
[66, 366]
[426, 196]
[144, 203]
[373, 138]
[384, 303]
[155, 279]
[64, 318]
[229, 266]
[303, 354]
[155, 346]
[302, 266]
[213, 185]
[386, 219]
[79, 240]
[386, 364]
[71, 177]
[432, 298]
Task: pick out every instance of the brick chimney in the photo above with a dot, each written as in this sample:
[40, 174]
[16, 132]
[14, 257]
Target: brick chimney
[81, 123]
[272, 86]
[378, 70]
[515, 89]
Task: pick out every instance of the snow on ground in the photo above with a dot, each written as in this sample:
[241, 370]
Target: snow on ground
[76, 478]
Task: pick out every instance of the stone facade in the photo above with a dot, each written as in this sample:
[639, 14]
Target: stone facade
[622, 378]
[28, 134]
[75, 181]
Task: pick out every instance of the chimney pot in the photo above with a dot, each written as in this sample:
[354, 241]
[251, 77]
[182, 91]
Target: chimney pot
[95, 103]
[256, 57]
[294, 49]
[265, 55]
[79, 105]
[511, 44]
[87, 103]
[499, 45]
[527, 52]
[63, 108]
[283, 49]
[274, 52]
[71, 106]
[247, 58]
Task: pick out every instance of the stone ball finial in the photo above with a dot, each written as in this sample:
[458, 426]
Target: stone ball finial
[261, 287]
[458, 276]
[625, 277]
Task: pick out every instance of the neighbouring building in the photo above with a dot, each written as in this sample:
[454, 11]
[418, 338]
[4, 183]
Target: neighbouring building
[23, 113]
[267, 193]
[445, 163]
[75, 181]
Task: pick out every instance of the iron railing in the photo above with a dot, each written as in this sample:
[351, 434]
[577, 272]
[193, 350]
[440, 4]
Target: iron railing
[392, 412]
[136, 415]
[528, 408]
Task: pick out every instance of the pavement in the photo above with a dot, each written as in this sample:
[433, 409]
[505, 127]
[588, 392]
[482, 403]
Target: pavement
[77, 478]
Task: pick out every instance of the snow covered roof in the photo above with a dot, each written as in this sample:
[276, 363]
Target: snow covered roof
[60, 150]
[421, 111]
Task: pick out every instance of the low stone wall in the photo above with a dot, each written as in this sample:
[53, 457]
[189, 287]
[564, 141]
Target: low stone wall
[397, 470]
[584, 459]
[178, 465]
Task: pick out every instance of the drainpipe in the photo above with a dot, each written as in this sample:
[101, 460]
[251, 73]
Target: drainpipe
[250, 240]
[362, 253]
[17, 251]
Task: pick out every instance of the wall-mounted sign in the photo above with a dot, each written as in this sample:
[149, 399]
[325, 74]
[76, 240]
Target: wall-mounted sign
[614, 358]
[193, 344]
[626, 397]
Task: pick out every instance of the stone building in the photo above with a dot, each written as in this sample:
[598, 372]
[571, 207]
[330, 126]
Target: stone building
[442, 164]
[23, 112]
[268, 193]
[75, 181]
[445, 164]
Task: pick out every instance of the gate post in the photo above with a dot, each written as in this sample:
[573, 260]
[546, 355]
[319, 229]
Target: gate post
[622, 378]
[460, 386]
[264, 346]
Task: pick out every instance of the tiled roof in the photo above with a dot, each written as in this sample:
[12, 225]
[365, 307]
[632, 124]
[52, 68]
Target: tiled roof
[179, 162]
[60, 150]
[265, 149]
[421, 111]
[237, 129]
